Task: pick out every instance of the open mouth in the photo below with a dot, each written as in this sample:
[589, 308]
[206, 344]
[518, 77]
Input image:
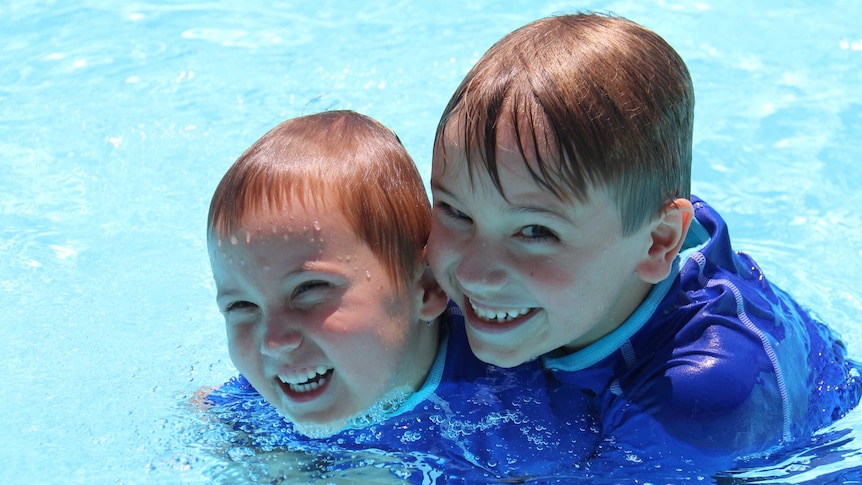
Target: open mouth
[306, 380]
[499, 315]
[491, 319]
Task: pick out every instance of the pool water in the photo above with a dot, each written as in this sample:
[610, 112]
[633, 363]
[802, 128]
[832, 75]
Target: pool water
[117, 119]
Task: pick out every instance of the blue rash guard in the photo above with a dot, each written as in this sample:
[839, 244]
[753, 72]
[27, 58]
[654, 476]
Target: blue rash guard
[716, 359]
[469, 421]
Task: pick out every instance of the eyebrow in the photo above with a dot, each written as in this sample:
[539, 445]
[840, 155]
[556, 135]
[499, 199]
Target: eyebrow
[226, 293]
[540, 210]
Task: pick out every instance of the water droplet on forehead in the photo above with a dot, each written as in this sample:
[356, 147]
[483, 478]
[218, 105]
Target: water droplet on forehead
[316, 225]
[234, 240]
[368, 275]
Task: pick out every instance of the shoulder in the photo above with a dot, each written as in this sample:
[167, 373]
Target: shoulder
[711, 384]
[728, 351]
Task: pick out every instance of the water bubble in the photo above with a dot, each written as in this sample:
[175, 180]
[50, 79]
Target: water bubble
[234, 240]
[368, 275]
[316, 225]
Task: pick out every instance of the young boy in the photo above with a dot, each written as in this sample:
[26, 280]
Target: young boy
[564, 229]
[316, 238]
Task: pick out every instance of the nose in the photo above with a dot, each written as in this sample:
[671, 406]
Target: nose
[481, 267]
[280, 335]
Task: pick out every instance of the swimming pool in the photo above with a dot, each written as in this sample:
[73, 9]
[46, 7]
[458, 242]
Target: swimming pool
[117, 119]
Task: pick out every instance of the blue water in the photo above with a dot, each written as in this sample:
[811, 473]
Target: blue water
[117, 120]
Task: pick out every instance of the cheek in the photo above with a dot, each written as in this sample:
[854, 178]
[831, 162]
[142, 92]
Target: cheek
[240, 343]
[440, 247]
[549, 274]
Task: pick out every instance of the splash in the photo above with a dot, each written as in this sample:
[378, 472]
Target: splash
[378, 412]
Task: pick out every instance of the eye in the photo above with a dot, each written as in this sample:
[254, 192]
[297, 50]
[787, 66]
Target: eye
[536, 232]
[239, 306]
[312, 294]
[452, 212]
[309, 286]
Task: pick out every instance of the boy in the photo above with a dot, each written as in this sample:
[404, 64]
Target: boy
[564, 229]
[316, 238]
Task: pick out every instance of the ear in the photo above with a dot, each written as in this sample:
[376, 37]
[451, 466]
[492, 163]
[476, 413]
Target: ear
[666, 238]
[434, 299]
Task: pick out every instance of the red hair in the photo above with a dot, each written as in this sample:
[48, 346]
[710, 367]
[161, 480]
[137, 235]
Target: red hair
[344, 160]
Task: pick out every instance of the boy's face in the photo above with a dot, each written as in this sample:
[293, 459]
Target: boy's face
[532, 273]
[313, 319]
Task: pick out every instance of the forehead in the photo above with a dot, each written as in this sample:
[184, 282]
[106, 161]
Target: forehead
[295, 216]
[469, 182]
[524, 160]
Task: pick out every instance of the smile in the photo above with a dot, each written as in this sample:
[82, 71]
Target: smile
[498, 315]
[306, 380]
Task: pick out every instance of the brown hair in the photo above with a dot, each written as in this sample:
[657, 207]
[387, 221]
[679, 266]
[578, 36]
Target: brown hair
[594, 100]
[344, 160]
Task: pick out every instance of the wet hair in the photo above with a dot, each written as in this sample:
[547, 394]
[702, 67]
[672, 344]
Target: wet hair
[340, 160]
[594, 101]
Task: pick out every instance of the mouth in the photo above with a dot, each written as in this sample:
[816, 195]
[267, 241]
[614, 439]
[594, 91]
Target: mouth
[490, 319]
[305, 384]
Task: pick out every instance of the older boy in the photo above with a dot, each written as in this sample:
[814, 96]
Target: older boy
[564, 229]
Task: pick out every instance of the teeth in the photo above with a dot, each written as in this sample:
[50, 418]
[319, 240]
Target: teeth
[499, 315]
[306, 379]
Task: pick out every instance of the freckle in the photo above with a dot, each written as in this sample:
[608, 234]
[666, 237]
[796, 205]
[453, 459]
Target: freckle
[234, 240]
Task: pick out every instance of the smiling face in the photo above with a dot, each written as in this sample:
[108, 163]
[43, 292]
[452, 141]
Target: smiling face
[531, 272]
[314, 321]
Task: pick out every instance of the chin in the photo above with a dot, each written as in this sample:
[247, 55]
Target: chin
[505, 358]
